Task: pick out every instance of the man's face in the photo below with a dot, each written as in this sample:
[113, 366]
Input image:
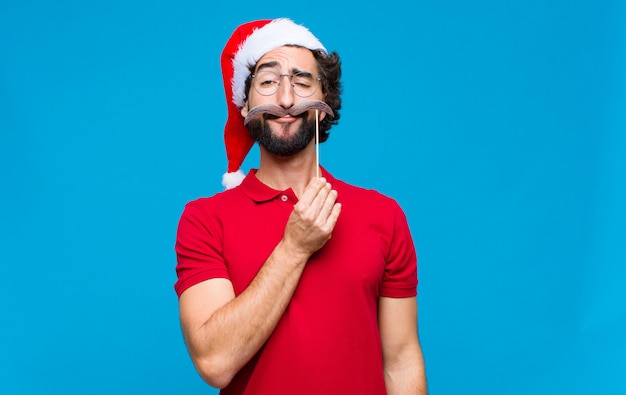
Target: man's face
[287, 135]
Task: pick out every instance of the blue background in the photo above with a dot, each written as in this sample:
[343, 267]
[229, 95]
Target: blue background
[500, 127]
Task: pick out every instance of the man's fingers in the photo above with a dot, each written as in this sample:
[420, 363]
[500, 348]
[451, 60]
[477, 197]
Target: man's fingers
[334, 215]
[311, 190]
[313, 199]
[327, 204]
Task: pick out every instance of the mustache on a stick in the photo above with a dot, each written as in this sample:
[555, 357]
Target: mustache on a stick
[294, 110]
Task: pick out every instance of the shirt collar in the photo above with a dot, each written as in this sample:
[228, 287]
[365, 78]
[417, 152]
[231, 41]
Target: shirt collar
[259, 192]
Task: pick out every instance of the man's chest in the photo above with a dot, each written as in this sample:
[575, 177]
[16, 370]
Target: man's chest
[354, 256]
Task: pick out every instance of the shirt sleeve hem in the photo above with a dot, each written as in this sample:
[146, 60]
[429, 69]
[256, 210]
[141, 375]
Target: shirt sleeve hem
[405, 292]
[182, 285]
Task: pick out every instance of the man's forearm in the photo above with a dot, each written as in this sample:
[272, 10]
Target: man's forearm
[409, 379]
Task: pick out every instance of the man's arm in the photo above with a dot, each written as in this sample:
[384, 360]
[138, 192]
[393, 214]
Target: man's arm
[224, 332]
[403, 361]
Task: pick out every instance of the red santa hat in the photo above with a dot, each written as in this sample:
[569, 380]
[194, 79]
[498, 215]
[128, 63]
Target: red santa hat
[246, 46]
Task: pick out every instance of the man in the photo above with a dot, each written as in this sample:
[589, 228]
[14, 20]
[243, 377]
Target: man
[293, 282]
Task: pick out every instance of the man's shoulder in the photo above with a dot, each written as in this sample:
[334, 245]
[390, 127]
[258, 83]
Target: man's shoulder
[222, 200]
[365, 197]
[360, 191]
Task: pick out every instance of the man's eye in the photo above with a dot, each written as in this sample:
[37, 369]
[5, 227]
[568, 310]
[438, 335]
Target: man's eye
[303, 82]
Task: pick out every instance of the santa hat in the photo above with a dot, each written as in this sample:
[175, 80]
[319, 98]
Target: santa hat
[245, 47]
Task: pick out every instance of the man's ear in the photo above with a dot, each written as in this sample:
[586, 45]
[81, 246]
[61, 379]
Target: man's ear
[244, 110]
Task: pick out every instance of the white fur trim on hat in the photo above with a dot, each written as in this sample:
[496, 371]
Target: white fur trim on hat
[276, 33]
[231, 180]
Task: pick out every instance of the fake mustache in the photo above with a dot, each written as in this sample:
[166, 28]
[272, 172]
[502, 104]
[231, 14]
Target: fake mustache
[294, 110]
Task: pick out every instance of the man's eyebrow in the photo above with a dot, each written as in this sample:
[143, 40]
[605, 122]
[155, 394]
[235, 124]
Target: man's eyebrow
[302, 72]
[274, 64]
[267, 65]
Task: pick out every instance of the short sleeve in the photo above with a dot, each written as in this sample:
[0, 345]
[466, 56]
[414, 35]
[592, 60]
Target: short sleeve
[198, 248]
[400, 277]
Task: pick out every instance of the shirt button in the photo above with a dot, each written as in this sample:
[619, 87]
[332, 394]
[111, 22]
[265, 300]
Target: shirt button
[284, 198]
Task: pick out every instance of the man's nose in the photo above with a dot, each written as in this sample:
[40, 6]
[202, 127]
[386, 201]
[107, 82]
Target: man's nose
[285, 92]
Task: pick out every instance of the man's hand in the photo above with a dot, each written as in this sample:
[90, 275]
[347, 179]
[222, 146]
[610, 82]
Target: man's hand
[313, 218]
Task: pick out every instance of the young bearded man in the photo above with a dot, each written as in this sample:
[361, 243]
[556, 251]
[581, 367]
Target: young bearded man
[291, 281]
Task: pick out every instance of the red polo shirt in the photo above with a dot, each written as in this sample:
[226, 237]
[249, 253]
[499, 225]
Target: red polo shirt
[327, 341]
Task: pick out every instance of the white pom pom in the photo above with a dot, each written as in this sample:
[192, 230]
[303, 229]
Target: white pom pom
[231, 180]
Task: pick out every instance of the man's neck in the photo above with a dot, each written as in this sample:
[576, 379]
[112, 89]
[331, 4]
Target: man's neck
[281, 173]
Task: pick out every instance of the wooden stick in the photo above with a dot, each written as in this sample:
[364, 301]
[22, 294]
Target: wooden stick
[317, 143]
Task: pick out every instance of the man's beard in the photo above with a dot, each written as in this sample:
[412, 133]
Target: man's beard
[261, 132]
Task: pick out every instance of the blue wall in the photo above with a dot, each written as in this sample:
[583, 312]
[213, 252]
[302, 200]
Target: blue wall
[499, 126]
